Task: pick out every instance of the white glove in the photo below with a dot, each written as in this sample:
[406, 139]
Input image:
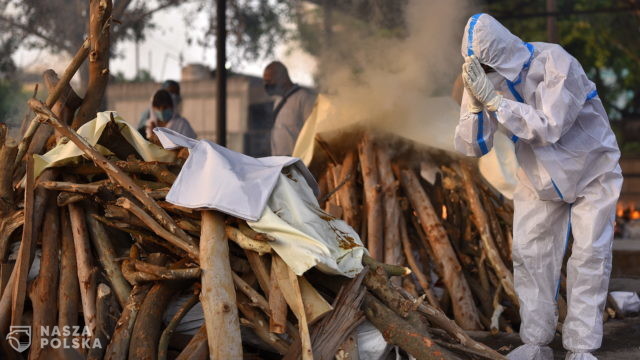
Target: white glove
[477, 82]
[473, 105]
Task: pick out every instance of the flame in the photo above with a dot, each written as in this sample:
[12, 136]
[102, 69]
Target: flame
[629, 210]
[444, 212]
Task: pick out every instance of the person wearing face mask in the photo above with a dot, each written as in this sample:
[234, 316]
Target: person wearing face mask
[173, 87]
[569, 178]
[290, 111]
[162, 114]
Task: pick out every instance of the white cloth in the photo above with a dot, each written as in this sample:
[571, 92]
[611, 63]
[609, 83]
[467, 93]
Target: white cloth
[531, 352]
[626, 301]
[276, 195]
[215, 177]
[305, 235]
[67, 153]
[290, 120]
[580, 356]
[567, 154]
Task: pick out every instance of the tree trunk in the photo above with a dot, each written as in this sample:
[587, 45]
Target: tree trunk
[99, 24]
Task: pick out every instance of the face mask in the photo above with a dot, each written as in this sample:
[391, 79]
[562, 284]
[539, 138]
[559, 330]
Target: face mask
[164, 115]
[167, 114]
[273, 90]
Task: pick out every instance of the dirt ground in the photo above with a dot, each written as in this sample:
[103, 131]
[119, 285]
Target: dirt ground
[621, 341]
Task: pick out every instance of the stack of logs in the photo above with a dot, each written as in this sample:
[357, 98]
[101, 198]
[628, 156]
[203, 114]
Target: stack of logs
[453, 232]
[113, 253]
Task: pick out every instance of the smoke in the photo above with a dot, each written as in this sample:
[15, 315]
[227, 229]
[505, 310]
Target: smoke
[377, 79]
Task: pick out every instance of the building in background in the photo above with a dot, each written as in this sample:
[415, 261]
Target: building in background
[249, 109]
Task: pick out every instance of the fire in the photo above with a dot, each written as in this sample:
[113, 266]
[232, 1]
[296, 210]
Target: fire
[444, 212]
[629, 210]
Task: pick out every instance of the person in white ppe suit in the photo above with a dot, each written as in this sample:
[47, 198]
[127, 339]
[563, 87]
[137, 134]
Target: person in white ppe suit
[569, 179]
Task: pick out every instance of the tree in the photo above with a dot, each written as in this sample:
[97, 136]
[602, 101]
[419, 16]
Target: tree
[602, 34]
[255, 26]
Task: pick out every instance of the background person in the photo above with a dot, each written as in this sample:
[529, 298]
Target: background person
[290, 111]
[162, 114]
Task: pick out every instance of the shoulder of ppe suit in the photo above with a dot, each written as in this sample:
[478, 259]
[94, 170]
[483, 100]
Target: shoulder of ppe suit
[559, 68]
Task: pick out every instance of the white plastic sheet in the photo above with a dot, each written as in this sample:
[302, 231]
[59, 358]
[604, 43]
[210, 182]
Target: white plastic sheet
[627, 301]
[68, 153]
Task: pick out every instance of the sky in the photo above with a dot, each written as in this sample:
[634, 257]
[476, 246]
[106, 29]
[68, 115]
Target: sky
[163, 48]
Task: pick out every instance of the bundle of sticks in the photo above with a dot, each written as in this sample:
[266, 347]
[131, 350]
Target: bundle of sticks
[113, 253]
[453, 231]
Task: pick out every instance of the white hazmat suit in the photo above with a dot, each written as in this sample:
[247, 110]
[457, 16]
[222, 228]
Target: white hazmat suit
[569, 180]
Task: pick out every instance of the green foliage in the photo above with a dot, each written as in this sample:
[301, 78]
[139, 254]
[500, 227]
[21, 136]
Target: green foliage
[605, 41]
[12, 103]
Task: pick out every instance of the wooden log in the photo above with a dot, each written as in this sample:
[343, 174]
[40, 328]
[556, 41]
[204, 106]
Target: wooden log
[69, 291]
[8, 224]
[119, 346]
[398, 331]
[482, 224]
[154, 168]
[85, 263]
[163, 344]
[7, 295]
[390, 270]
[496, 230]
[158, 229]
[335, 328]
[44, 292]
[150, 272]
[348, 193]
[277, 304]
[218, 294]
[392, 211]
[23, 263]
[107, 256]
[257, 236]
[260, 326]
[116, 174]
[65, 198]
[464, 308]
[439, 319]
[99, 30]
[52, 97]
[260, 270]
[7, 155]
[288, 282]
[422, 278]
[246, 242]
[197, 348]
[148, 324]
[373, 199]
[104, 322]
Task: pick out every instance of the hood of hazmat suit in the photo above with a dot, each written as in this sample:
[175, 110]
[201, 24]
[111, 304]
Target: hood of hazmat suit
[569, 179]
